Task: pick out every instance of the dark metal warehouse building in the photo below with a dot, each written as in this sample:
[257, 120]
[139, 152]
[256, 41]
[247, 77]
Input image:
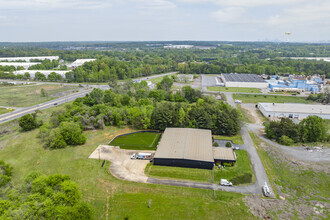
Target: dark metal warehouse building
[185, 147]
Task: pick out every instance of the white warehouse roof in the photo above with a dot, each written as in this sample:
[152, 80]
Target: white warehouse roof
[27, 59]
[296, 108]
[80, 62]
[16, 64]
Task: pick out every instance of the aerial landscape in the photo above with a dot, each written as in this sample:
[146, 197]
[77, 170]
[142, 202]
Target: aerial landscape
[164, 109]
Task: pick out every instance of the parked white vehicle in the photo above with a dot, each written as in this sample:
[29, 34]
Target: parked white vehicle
[238, 101]
[266, 190]
[141, 156]
[224, 182]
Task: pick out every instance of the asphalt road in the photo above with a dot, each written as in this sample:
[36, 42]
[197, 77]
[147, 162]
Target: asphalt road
[23, 111]
[259, 170]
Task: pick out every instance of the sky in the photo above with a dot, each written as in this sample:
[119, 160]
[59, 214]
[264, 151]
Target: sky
[164, 20]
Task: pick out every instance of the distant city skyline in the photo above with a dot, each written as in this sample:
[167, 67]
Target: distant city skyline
[164, 20]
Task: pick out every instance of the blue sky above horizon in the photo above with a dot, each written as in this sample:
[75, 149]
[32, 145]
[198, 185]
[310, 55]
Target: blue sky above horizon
[143, 20]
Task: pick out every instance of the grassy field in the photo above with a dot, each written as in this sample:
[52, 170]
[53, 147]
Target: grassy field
[246, 115]
[236, 139]
[24, 96]
[3, 111]
[241, 167]
[303, 184]
[233, 89]
[137, 141]
[249, 98]
[109, 197]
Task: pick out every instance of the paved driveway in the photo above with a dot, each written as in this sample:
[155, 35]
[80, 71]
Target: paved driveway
[122, 167]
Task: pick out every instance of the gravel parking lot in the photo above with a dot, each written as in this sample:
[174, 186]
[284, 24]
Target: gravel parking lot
[122, 166]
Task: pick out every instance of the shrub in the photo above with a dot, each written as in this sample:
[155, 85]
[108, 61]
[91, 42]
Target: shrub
[28, 122]
[72, 133]
[228, 144]
[5, 173]
[286, 140]
[216, 144]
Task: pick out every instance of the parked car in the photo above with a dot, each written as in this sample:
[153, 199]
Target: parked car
[235, 148]
[224, 182]
[266, 190]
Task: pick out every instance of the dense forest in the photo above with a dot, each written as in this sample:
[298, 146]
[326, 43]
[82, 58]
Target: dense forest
[136, 105]
[123, 60]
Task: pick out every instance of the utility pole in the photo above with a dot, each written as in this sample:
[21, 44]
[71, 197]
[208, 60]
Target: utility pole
[213, 182]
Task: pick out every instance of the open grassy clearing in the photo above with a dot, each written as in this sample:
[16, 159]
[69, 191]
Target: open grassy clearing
[24, 96]
[3, 111]
[241, 167]
[236, 139]
[233, 89]
[137, 141]
[112, 198]
[303, 185]
[249, 98]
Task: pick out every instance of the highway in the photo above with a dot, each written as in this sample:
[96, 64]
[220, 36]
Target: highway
[23, 111]
[19, 112]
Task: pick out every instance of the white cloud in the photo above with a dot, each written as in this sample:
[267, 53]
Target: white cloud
[302, 15]
[54, 4]
[229, 15]
[244, 3]
[155, 4]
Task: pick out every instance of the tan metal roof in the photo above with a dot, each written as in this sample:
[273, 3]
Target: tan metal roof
[186, 143]
[223, 153]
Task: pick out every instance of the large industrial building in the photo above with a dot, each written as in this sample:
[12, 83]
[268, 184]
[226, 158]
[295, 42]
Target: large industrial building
[189, 147]
[293, 110]
[25, 65]
[28, 59]
[297, 83]
[80, 62]
[242, 80]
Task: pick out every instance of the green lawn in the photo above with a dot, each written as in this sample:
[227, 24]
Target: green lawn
[109, 197]
[233, 89]
[3, 111]
[24, 96]
[137, 141]
[249, 98]
[236, 139]
[302, 184]
[241, 167]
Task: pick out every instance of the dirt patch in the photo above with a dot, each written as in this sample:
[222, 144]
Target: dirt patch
[284, 207]
[122, 166]
[295, 163]
[251, 108]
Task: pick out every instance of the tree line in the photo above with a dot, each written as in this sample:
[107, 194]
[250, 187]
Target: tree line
[136, 105]
[152, 58]
[310, 129]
